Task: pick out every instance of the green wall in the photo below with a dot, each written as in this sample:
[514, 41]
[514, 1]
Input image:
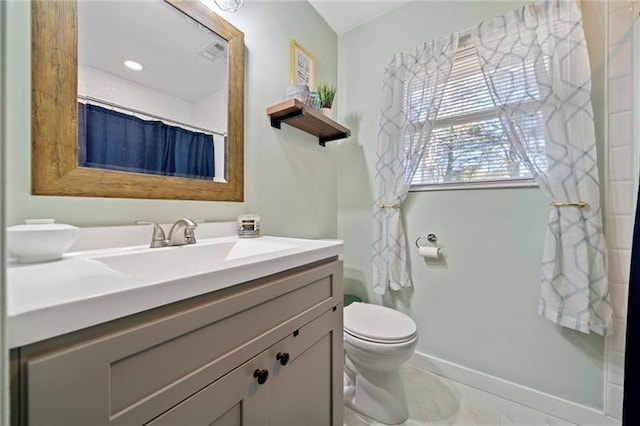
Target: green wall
[290, 181]
[477, 306]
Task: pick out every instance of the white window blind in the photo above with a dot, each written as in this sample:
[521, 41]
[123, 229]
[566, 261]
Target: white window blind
[468, 143]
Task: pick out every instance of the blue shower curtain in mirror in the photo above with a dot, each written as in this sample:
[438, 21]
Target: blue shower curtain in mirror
[112, 140]
[631, 405]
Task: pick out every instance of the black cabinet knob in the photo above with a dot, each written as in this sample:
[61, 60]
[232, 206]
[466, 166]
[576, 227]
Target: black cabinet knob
[283, 358]
[261, 375]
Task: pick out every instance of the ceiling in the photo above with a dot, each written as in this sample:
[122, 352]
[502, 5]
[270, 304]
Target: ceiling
[175, 61]
[345, 15]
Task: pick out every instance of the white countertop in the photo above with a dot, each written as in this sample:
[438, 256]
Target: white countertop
[53, 298]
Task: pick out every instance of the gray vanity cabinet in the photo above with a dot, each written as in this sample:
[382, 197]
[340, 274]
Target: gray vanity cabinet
[266, 352]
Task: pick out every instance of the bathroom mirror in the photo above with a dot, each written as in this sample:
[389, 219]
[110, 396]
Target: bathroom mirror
[149, 100]
[56, 168]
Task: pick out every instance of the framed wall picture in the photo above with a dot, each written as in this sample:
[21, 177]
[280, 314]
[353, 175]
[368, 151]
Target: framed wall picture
[303, 66]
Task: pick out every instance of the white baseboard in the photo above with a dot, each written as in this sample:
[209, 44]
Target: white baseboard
[558, 407]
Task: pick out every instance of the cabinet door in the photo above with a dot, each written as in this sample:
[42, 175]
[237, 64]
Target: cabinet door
[307, 390]
[236, 399]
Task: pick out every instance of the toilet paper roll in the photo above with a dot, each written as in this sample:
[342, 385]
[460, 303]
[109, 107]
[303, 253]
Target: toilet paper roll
[429, 252]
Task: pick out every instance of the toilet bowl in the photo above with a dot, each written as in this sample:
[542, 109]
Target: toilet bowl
[377, 341]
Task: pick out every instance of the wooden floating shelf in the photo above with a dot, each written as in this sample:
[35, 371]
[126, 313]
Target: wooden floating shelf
[304, 117]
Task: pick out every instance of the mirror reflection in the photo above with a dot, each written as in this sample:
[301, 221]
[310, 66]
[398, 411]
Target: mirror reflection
[152, 91]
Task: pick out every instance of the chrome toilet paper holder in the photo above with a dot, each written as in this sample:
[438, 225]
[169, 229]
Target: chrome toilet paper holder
[432, 238]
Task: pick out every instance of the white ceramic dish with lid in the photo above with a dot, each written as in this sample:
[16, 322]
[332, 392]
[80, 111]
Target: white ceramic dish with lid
[40, 240]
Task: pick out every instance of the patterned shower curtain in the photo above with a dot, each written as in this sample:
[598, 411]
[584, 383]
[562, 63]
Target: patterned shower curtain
[113, 140]
[405, 129]
[542, 49]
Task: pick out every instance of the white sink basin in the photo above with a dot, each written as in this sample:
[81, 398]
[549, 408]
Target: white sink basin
[189, 259]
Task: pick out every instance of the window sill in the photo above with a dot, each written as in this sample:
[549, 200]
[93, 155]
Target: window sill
[478, 185]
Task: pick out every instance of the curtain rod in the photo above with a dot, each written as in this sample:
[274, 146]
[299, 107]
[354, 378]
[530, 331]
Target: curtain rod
[157, 117]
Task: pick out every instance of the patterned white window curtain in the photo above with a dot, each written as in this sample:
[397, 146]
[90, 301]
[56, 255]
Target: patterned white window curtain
[542, 49]
[405, 129]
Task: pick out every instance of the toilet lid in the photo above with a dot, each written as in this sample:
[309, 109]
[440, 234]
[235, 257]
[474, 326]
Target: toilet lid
[378, 323]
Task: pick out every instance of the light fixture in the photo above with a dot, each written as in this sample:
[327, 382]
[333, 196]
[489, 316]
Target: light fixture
[133, 65]
[229, 5]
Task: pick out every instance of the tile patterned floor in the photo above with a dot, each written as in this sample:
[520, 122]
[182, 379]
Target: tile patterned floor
[435, 400]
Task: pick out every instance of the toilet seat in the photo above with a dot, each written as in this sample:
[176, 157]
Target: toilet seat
[379, 324]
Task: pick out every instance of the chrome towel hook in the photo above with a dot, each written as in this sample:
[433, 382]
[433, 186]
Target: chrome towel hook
[430, 237]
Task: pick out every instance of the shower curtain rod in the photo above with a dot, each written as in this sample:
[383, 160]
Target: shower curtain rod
[157, 117]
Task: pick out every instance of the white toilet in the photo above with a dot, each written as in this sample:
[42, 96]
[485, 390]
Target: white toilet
[377, 341]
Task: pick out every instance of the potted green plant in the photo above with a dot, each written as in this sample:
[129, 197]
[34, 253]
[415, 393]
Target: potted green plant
[326, 94]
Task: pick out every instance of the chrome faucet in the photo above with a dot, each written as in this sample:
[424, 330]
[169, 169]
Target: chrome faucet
[181, 233]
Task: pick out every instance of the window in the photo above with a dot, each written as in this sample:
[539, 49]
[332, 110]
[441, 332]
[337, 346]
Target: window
[468, 144]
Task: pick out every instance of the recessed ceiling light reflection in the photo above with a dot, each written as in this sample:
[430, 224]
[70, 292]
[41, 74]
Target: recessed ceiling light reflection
[133, 65]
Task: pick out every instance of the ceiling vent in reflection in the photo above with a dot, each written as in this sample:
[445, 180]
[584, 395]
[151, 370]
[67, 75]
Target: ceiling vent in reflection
[214, 51]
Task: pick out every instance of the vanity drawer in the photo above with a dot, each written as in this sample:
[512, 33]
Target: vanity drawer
[131, 370]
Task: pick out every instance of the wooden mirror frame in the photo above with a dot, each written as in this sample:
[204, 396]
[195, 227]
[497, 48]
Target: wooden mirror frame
[54, 115]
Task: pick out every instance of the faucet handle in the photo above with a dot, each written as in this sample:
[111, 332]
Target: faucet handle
[158, 238]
